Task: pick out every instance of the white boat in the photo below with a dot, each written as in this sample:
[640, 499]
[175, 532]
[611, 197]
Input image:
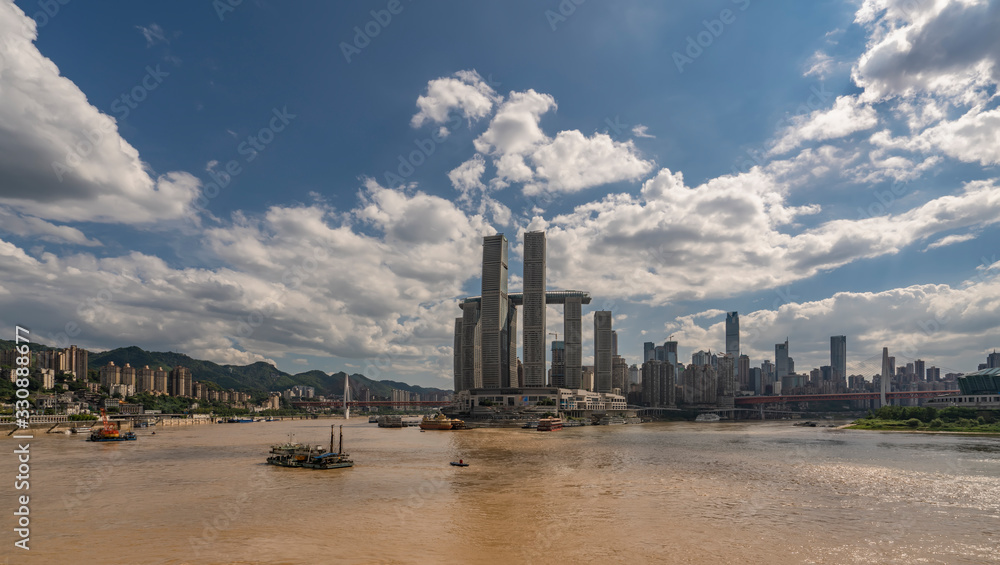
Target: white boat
[707, 417]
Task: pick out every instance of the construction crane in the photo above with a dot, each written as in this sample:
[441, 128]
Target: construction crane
[555, 334]
[110, 428]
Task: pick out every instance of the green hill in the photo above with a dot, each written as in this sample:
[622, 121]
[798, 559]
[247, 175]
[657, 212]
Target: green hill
[259, 376]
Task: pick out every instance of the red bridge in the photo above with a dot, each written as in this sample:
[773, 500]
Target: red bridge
[846, 396]
[359, 403]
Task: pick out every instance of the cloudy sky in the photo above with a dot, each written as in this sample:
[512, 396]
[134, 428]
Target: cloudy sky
[310, 185]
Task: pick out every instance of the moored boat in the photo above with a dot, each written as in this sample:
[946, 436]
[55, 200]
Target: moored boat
[441, 422]
[708, 417]
[550, 424]
[311, 457]
[110, 431]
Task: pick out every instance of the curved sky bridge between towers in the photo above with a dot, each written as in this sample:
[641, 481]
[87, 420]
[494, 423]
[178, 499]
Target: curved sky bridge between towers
[551, 297]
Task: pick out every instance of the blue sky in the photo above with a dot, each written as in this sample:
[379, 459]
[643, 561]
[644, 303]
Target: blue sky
[821, 167]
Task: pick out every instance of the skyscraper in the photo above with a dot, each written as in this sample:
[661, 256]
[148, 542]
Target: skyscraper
[918, 369]
[993, 360]
[701, 358]
[558, 364]
[614, 342]
[648, 351]
[457, 356]
[781, 360]
[602, 351]
[733, 334]
[670, 352]
[743, 373]
[885, 376]
[573, 326]
[495, 313]
[534, 309]
[838, 358]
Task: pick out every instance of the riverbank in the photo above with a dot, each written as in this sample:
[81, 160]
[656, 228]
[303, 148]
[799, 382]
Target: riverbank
[974, 428]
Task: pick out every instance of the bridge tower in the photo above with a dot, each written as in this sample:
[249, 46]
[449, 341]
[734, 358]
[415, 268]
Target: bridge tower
[347, 397]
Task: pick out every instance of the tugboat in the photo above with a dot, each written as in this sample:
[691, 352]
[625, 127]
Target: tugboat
[110, 431]
[310, 457]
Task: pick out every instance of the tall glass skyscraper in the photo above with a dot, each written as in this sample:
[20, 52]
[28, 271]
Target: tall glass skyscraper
[534, 309]
[602, 351]
[781, 368]
[733, 334]
[838, 358]
[495, 314]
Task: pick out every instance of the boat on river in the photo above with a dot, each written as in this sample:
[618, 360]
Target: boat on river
[441, 422]
[550, 424]
[707, 417]
[311, 457]
[110, 431]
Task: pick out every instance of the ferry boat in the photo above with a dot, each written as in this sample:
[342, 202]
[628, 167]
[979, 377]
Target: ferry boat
[550, 424]
[109, 431]
[441, 422]
[311, 457]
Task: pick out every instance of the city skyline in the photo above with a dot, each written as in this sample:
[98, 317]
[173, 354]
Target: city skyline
[165, 182]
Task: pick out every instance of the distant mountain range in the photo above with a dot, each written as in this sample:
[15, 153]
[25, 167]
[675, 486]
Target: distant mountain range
[256, 376]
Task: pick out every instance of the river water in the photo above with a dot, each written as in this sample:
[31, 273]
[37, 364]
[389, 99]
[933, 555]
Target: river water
[651, 493]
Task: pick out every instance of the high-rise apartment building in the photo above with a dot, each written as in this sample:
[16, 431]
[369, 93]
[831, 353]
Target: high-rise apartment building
[648, 351]
[533, 333]
[743, 373]
[161, 381]
[733, 334]
[144, 379]
[838, 358]
[619, 374]
[919, 369]
[602, 351]
[701, 358]
[110, 374]
[180, 381]
[658, 384]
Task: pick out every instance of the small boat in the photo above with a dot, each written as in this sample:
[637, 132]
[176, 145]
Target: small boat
[372, 419]
[707, 417]
[79, 430]
[459, 463]
[550, 424]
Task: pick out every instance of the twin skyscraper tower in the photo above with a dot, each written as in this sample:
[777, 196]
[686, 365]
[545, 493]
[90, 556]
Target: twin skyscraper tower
[485, 353]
